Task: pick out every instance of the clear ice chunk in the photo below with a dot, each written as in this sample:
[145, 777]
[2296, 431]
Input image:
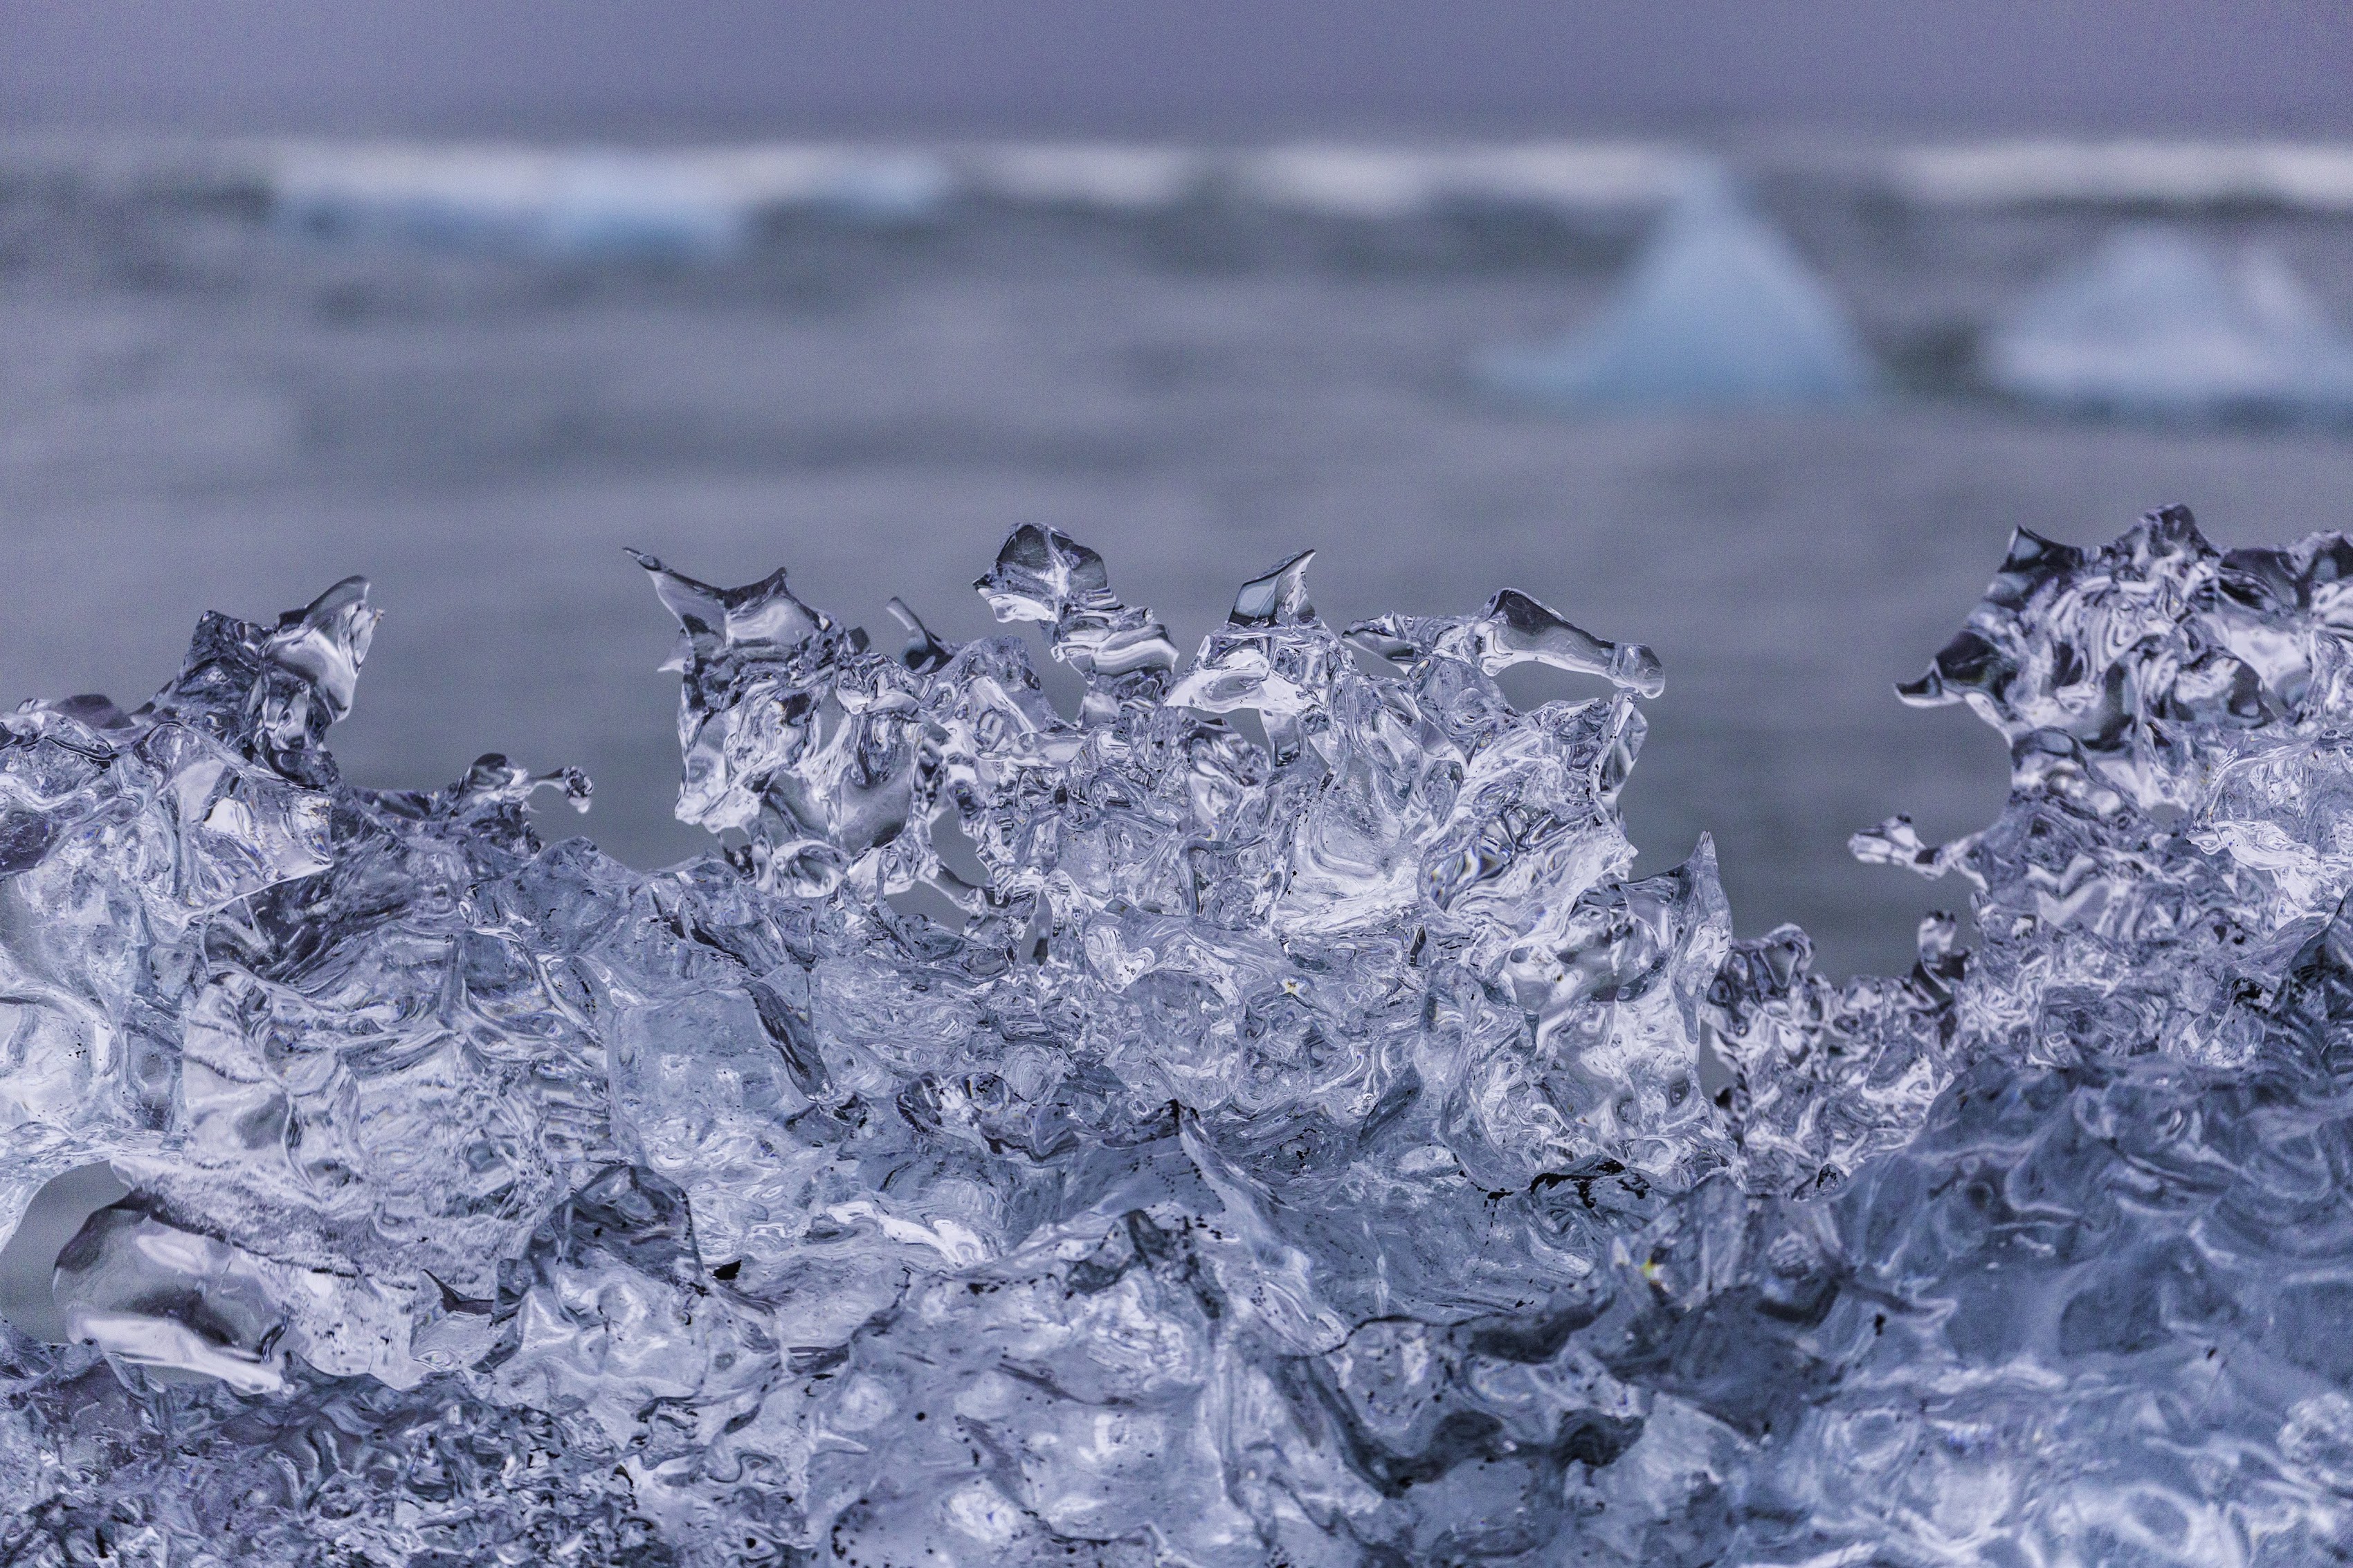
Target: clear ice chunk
[1300, 1140]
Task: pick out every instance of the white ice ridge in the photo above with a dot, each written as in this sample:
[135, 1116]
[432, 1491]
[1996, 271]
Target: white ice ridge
[1375, 179]
[1338, 179]
[2157, 323]
[708, 202]
[1718, 310]
[2300, 176]
[589, 202]
[1313, 1150]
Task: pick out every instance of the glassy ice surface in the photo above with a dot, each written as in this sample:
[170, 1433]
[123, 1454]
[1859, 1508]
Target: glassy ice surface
[1719, 310]
[1257, 1119]
[2156, 324]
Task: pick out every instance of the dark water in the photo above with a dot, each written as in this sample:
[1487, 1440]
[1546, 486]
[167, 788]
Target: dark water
[199, 412]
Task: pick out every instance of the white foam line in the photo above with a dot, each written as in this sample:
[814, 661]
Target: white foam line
[2312, 176]
[1108, 177]
[692, 201]
[521, 183]
[1384, 183]
[749, 176]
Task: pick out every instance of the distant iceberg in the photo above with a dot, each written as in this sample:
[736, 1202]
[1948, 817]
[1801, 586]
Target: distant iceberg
[1718, 310]
[2157, 324]
[691, 204]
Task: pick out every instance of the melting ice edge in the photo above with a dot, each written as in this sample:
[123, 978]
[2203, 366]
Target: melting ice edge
[1314, 1151]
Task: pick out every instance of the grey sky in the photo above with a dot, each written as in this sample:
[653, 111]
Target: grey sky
[1175, 66]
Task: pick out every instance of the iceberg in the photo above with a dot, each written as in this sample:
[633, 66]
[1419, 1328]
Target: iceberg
[2157, 324]
[687, 204]
[1298, 1142]
[1718, 310]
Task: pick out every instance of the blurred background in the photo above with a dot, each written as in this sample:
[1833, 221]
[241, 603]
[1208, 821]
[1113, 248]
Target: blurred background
[1748, 329]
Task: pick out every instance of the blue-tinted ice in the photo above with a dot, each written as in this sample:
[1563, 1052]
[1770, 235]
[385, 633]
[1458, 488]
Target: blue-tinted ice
[1718, 311]
[2156, 325]
[1314, 1151]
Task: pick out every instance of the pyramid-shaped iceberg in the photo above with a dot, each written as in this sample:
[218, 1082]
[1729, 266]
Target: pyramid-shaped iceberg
[2155, 324]
[1718, 310]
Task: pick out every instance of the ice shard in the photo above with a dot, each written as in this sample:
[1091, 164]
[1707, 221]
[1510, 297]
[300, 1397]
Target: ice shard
[1718, 310]
[2155, 324]
[1320, 1149]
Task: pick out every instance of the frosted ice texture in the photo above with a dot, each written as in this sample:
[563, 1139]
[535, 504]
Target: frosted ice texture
[1314, 1150]
[1718, 310]
[2156, 323]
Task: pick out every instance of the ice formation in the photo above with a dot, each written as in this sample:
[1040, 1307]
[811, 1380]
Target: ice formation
[708, 203]
[1314, 1149]
[692, 204]
[1718, 310]
[2157, 324]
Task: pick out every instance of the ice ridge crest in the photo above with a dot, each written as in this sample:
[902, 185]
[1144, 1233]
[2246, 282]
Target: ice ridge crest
[1123, 1139]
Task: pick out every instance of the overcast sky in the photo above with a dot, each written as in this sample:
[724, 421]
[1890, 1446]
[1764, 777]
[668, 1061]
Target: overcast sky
[1233, 66]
